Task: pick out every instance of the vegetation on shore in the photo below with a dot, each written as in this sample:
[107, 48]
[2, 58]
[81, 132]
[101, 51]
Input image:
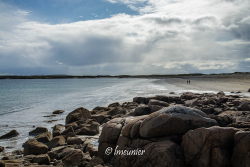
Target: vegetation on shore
[121, 76]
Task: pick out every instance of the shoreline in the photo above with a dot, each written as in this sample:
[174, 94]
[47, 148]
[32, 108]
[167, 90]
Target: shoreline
[83, 128]
[153, 76]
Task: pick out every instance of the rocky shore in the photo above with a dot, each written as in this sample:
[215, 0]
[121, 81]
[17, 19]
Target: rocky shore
[191, 130]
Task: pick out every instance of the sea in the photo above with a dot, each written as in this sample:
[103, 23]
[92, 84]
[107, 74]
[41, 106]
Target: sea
[27, 103]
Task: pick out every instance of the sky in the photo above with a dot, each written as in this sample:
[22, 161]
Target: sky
[116, 37]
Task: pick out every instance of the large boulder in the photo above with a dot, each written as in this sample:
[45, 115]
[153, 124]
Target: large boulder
[111, 130]
[38, 130]
[244, 106]
[141, 110]
[141, 100]
[79, 114]
[34, 147]
[241, 150]
[109, 136]
[42, 159]
[10, 134]
[59, 152]
[175, 120]
[57, 130]
[74, 140]
[69, 132]
[44, 137]
[158, 103]
[155, 154]
[89, 128]
[208, 147]
[189, 96]
[132, 126]
[56, 141]
[73, 158]
[116, 111]
[100, 118]
[116, 104]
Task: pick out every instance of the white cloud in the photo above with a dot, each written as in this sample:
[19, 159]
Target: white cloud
[167, 37]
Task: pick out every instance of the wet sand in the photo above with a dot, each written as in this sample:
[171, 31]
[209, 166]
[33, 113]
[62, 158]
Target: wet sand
[228, 84]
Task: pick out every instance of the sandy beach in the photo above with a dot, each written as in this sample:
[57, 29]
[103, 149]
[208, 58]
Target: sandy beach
[214, 83]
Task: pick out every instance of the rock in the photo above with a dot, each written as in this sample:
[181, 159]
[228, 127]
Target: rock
[10, 163]
[241, 156]
[1, 149]
[208, 147]
[17, 152]
[129, 105]
[56, 141]
[158, 103]
[73, 159]
[37, 131]
[10, 134]
[221, 93]
[98, 110]
[58, 112]
[239, 119]
[74, 140]
[155, 108]
[79, 114]
[2, 164]
[91, 146]
[69, 132]
[141, 100]
[244, 106]
[109, 136]
[132, 126]
[96, 161]
[173, 121]
[42, 159]
[166, 99]
[57, 130]
[114, 105]
[100, 118]
[155, 154]
[89, 128]
[141, 110]
[111, 130]
[74, 125]
[222, 120]
[44, 137]
[189, 96]
[59, 152]
[116, 111]
[34, 147]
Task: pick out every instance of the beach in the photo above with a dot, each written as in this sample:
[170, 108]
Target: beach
[227, 83]
[79, 122]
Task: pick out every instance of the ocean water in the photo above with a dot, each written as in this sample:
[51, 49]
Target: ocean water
[25, 103]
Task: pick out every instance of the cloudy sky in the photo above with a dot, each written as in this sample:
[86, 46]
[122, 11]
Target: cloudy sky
[89, 37]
